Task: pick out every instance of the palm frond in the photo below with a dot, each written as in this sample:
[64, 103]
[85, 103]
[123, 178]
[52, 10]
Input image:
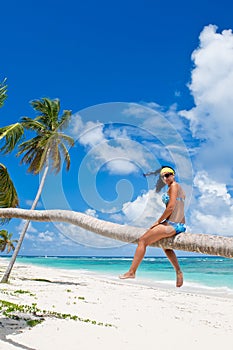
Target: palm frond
[33, 158]
[66, 138]
[49, 110]
[11, 135]
[3, 90]
[65, 119]
[28, 146]
[55, 158]
[39, 106]
[65, 155]
[6, 241]
[8, 194]
[47, 144]
[33, 124]
[54, 114]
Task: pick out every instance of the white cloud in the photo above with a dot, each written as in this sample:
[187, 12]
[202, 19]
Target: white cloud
[111, 147]
[212, 209]
[144, 210]
[211, 86]
[89, 133]
[91, 212]
[122, 156]
[46, 236]
[30, 229]
[41, 237]
[92, 134]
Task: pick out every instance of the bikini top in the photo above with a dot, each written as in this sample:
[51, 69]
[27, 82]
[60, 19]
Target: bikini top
[166, 198]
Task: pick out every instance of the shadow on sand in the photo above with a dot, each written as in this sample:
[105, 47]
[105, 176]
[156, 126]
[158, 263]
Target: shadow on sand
[10, 326]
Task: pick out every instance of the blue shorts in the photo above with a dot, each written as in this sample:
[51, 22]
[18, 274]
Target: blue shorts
[178, 226]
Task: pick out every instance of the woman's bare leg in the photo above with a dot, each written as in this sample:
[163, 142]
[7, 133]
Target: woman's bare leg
[151, 236]
[173, 259]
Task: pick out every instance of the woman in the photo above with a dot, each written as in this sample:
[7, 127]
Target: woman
[170, 223]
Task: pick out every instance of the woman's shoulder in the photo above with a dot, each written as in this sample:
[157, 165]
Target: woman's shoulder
[175, 186]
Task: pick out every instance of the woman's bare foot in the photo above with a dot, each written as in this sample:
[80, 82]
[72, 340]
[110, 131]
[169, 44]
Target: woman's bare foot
[127, 275]
[179, 278]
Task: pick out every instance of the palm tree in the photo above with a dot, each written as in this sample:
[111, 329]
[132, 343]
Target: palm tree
[41, 152]
[6, 242]
[200, 243]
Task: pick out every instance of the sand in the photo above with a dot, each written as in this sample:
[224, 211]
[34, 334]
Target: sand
[132, 315]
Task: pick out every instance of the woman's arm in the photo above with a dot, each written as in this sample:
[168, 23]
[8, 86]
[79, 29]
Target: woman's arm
[173, 193]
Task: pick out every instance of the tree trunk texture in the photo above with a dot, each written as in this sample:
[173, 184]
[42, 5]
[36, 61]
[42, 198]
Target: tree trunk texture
[200, 243]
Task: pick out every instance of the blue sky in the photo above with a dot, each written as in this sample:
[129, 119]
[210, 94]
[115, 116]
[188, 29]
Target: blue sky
[148, 82]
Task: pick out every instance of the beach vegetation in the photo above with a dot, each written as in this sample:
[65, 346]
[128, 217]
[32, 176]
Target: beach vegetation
[32, 315]
[20, 291]
[33, 323]
[43, 152]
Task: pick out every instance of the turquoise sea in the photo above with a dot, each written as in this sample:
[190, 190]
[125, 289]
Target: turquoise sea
[207, 274]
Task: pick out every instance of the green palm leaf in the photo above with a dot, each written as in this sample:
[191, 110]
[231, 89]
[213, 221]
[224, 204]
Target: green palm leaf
[3, 90]
[11, 135]
[33, 124]
[65, 119]
[6, 242]
[8, 194]
[66, 155]
[49, 143]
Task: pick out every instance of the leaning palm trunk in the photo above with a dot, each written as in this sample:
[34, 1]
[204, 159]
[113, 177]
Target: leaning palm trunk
[22, 235]
[200, 243]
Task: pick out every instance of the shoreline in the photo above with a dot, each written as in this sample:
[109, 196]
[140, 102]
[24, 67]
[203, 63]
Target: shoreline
[141, 278]
[138, 314]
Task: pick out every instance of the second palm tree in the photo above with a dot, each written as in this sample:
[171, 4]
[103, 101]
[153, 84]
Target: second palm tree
[42, 152]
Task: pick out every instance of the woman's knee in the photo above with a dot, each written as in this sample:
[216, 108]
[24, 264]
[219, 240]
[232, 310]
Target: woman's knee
[142, 242]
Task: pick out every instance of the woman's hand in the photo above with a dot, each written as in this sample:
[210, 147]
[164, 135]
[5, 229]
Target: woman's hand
[155, 224]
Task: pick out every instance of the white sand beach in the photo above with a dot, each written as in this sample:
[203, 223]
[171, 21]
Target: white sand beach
[133, 316]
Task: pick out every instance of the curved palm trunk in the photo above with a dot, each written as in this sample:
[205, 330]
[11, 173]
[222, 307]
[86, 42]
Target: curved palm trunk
[200, 243]
[22, 235]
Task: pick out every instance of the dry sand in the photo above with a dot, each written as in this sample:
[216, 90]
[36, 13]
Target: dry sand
[140, 316]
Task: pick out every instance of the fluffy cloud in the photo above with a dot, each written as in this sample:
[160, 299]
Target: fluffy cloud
[87, 134]
[110, 147]
[144, 210]
[30, 229]
[212, 208]
[211, 118]
[42, 237]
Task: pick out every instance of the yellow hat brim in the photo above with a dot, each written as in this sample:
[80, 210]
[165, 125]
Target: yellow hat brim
[167, 170]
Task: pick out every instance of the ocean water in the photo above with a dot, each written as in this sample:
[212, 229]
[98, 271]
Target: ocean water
[207, 274]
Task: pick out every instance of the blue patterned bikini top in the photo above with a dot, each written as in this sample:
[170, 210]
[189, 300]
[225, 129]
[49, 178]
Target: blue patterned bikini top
[166, 198]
